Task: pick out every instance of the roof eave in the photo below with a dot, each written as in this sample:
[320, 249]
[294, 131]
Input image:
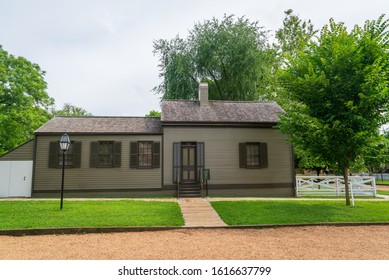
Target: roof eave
[96, 133]
[221, 124]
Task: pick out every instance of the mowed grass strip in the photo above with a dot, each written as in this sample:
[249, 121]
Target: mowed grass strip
[383, 192]
[300, 212]
[96, 213]
[379, 182]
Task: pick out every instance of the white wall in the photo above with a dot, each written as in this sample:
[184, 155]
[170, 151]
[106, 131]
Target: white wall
[15, 178]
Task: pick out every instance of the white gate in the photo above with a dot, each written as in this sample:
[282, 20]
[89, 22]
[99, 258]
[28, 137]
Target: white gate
[15, 178]
[334, 185]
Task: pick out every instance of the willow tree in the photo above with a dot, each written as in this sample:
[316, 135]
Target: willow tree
[338, 93]
[230, 54]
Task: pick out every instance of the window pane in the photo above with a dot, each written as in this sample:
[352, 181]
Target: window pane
[105, 153]
[68, 156]
[145, 153]
[253, 154]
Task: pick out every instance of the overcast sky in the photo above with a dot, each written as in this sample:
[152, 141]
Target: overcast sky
[98, 54]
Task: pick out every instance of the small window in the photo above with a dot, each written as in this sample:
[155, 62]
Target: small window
[105, 154]
[145, 154]
[68, 156]
[253, 155]
[72, 156]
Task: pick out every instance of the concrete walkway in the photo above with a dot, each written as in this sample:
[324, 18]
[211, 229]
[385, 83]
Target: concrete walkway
[198, 212]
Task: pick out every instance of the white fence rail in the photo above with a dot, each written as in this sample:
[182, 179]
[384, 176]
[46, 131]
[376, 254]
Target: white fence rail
[334, 186]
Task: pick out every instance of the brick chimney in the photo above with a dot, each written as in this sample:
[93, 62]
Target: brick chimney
[203, 94]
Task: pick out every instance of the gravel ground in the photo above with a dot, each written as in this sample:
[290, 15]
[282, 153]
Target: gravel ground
[290, 243]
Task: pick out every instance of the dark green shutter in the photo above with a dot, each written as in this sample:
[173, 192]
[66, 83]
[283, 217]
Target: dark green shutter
[156, 154]
[176, 161]
[117, 154]
[76, 154]
[133, 154]
[53, 154]
[242, 155]
[94, 154]
[263, 155]
[200, 159]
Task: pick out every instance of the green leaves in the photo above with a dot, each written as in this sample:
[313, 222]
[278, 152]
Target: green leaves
[340, 86]
[71, 110]
[230, 54]
[24, 102]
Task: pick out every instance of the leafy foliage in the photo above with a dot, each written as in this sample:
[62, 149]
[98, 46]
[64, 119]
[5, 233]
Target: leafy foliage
[294, 35]
[71, 110]
[153, 113]
[230, 54]
[24, 102]
[336, 94]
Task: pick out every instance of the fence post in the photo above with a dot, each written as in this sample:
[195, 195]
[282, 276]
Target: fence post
[374, 186]
[352, 193]
[337, 185]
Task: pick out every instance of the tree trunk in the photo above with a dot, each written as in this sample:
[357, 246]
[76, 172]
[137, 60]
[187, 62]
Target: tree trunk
[346, 187]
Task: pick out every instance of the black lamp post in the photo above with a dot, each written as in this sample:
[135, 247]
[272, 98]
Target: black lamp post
[64, 144]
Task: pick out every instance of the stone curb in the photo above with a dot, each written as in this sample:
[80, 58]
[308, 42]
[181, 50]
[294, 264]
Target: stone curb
[55, 231]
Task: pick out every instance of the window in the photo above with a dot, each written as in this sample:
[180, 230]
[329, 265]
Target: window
[145, 154]
[253, 155]
[105, 154]
[72, 156]
[68, 156]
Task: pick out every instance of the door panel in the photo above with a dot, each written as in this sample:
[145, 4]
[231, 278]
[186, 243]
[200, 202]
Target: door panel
[188, 168]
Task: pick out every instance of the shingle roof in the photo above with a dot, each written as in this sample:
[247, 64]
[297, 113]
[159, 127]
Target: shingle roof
[102, 125]
[220, 112]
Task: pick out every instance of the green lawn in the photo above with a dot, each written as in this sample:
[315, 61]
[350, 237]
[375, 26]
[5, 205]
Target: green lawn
[114, 213]
[383, 192]
[379, 182]
[295, 212]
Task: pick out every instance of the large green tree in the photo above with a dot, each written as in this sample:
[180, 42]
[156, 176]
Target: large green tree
[230, 54]
[337, 93]
[24, 102]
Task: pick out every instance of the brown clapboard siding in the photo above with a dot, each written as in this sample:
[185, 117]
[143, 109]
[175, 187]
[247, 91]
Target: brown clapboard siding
[221, 145]
[95, 178]
[22, 152]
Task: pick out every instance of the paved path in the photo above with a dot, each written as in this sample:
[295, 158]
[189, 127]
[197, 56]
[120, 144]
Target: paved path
[198, 212]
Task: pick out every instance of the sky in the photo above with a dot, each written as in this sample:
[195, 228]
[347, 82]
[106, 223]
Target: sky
[98, 55]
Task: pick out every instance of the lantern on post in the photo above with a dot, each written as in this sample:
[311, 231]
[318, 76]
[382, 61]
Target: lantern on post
[64, 145]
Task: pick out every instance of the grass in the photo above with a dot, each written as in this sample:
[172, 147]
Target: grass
[296, 212]
[379, 182]
[336, 197]
[383, 192]
[46, 214]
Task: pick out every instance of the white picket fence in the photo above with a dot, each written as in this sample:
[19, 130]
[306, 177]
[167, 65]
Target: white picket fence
[334, 186]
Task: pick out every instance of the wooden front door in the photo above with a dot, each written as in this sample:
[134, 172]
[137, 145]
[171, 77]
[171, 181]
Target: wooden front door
[188, 160]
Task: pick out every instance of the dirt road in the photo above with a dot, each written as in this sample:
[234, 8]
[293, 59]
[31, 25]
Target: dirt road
[292, 243]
